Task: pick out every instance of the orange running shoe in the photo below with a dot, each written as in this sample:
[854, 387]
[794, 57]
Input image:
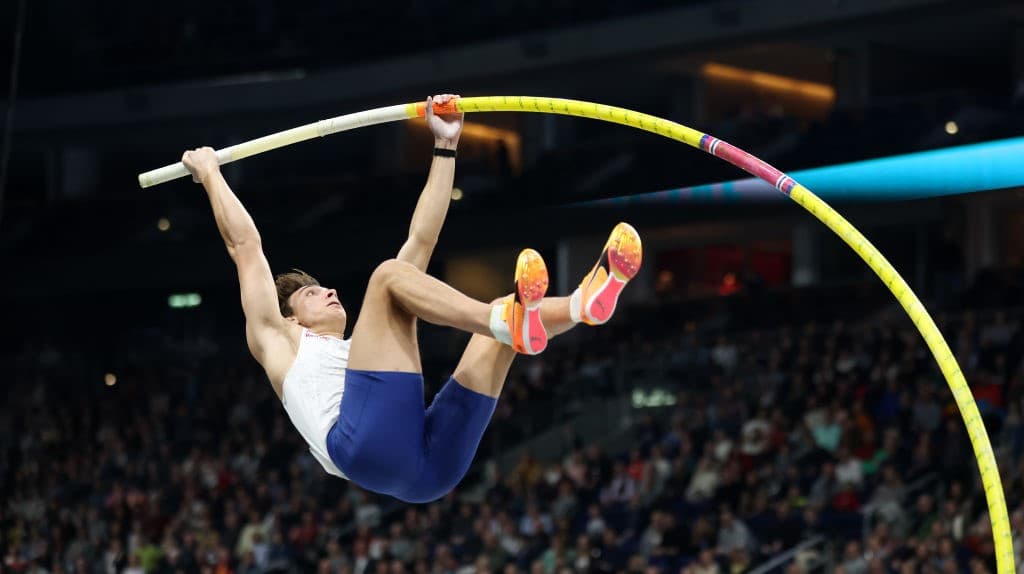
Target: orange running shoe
[619, 262]
[520, 312]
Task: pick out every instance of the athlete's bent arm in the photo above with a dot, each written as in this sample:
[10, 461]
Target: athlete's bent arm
[265, 327]
[432, 206]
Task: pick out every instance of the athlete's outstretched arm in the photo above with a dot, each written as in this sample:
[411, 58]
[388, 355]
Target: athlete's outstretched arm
[264, 323]
[432, 206]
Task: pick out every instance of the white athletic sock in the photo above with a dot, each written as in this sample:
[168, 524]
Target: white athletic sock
[576, 306]
[499, 328]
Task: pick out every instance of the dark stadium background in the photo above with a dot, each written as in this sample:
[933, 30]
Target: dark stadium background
[758, 370]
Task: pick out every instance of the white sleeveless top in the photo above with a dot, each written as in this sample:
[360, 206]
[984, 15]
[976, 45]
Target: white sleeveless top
[312, 391]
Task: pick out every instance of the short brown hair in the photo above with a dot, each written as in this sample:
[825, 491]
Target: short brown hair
[288, 283]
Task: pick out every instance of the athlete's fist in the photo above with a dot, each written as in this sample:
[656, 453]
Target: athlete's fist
[445, 127]
[200, 162]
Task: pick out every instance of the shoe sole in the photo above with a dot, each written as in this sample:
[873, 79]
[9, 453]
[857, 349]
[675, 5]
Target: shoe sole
[531, 285]
[622, 256]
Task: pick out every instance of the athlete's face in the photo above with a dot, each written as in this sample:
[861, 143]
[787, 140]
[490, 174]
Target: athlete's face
[318, 308]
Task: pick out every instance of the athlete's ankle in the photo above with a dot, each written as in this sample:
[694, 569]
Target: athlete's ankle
[576, 306]
[499, 325]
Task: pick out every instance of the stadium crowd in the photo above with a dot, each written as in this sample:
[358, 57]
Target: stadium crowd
[186, 463]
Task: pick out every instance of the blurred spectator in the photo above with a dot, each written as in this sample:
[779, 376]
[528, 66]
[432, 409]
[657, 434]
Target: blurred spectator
[733, 534]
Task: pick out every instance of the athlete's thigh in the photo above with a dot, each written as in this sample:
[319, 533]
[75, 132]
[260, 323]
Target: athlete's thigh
[384, 338]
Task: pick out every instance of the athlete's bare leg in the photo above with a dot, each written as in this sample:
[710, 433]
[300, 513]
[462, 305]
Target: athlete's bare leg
[485, 362]
[384, 337]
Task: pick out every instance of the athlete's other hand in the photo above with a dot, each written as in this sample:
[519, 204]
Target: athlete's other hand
[445, 127]
[201, 162]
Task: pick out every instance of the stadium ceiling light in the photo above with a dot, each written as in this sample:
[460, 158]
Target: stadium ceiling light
[184, 300]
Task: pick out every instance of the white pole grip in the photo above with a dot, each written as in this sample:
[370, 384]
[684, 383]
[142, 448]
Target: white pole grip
[281, 139]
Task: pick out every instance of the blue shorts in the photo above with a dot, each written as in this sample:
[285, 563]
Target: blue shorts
[387, 442]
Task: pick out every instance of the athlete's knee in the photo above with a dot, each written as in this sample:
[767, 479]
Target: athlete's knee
[387, 274]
